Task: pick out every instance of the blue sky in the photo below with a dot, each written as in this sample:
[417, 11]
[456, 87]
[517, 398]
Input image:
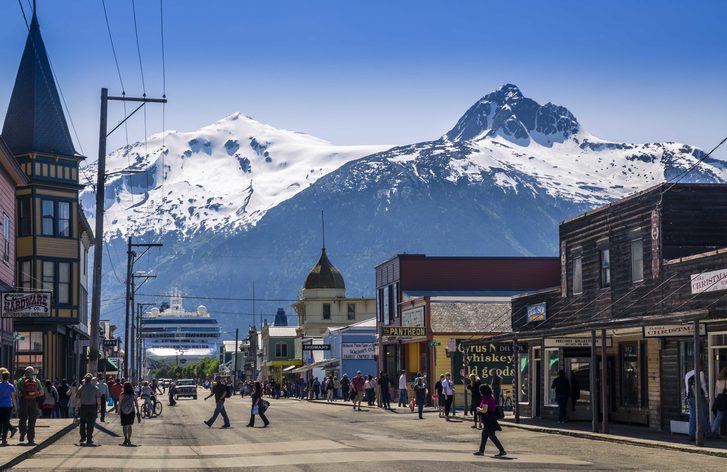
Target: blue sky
[388, 72]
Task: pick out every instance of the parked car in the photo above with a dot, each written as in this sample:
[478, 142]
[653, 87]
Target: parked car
[165, 383]
[186, 388]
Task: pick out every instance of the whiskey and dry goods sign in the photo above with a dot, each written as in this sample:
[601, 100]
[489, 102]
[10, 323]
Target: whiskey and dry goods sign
[26, 304]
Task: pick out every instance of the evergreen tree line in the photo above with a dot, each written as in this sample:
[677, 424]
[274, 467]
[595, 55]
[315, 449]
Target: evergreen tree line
[199, 370]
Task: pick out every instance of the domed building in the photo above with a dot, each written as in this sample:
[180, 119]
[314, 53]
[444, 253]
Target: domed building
[323, 304]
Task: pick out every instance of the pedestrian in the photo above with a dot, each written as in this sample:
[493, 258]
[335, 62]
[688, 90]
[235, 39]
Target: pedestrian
[29, 390]
[369, 390]
[103, 389]
[488, 410]
[63, 391]
[50, 399]
[330, 388]
[385, 386]
[72, 396]
[696, 393]
[357, 386]
[562, 392]
[219, 390]
[377, 391]
[420, 395]
[336, 388]
[89, 401]
[440, 397]
[720, 402]
[474, 387]
[448, 392]
[127, 409]
[258, 407]
[496, 386]
[115, 390]
[345, 387]
[316, 388]
[172, 393]
[7, 405]
[403, 393]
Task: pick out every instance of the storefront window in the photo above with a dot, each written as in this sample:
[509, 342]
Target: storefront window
[523, 381]
[629, 374]
[686, 363]
[551, 372]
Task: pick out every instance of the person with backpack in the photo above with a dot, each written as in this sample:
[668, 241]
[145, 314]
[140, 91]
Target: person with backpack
[345, 387]
[127, 409]
[50, 398]
[220, 392]
[29, 390]
[258, 407]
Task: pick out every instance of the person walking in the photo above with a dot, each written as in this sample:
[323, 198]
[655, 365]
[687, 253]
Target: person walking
[336, 388]
[474, 386]
[385, 386]
[72, 397]
[696, 393]
[316, 388]
[562, 392]
[403, 392]
[420, 395]
[440, 396]
[719, 406]
[89, 401]
[128, 410]
[29, 390]
[7, 405]
[63, 391]
[115, 390]
[220, 393]
[448, 392]
[369, 387]
[357, 385]
[345, 387]
[488, 409]
[172, 393]
[257, 407]
[50, 398]
[103, 389]
[330, 388]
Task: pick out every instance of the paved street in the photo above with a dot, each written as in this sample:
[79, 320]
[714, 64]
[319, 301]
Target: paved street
[308, 436]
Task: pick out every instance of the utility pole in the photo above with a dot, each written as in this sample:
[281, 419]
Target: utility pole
[234, 381]
[98, 236]
[131, 277]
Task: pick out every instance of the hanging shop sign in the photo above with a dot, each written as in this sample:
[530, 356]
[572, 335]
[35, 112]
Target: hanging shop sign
[316, 347]
[357, 351]
[413, 317]
[576, 342]
[675, 330]
[537, 312]
[110, 342]
[404, 331]
[26, 304]
[713, 281]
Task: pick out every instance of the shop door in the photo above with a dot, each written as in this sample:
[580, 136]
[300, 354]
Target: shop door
[578, 372]
[610, 376]
[538, 388]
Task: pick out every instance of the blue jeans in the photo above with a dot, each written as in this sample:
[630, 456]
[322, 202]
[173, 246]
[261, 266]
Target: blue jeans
[420, 408]
[717, 422]
[693, 417]
[220, 410]
[403, 397]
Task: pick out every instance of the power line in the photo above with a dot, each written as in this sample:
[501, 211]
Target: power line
[693, 166]
[138, 47]
[113, 48]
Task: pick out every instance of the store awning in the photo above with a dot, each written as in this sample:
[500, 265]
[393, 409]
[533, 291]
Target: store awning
[327, 364]
[107, 365]
[300, 370]
[289, 369]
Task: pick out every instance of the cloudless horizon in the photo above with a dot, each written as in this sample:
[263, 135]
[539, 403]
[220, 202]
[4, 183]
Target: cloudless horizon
[386, 72]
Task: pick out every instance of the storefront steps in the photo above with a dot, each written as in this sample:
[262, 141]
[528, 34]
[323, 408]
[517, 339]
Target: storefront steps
[621, 434]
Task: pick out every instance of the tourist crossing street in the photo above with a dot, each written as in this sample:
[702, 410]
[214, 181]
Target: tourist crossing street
[333, 437]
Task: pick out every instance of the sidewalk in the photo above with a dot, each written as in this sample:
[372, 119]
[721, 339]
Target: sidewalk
[623, 434]
[47, 431]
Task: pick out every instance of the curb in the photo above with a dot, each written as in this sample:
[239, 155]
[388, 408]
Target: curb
[348, 404]
[619, 439]
[38, 447]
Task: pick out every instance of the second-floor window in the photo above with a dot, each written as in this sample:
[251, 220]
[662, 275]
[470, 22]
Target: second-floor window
[24, 279]
[605, 259]
[351, 311]
[24, 217]
[6, 238]
[55, 218]
[637, 260]
[326, 311]
[281, 350]
[57, 278]
[577, 275]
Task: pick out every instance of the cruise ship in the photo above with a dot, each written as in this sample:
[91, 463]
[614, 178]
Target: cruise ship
[173, 336]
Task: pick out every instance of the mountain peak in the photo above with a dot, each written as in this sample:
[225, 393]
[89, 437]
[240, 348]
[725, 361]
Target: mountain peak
[506, 112]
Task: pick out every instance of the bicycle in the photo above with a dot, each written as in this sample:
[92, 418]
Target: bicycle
[150, 412]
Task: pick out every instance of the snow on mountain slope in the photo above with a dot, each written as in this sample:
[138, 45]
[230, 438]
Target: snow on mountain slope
[223, 177]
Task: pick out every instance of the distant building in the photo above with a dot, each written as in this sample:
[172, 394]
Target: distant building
[278, 350]
[323, 304]
[53, 236]
[281, 319]
[353, 348]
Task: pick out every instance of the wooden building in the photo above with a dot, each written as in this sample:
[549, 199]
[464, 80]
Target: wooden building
[53, 236]
[636, 273]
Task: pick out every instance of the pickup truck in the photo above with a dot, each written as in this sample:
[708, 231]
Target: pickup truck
[186, 388]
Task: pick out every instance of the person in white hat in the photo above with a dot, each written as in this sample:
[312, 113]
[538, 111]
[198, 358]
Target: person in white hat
[28, 390]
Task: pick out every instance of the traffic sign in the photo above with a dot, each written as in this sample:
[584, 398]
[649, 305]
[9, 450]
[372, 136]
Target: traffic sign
[433, 343]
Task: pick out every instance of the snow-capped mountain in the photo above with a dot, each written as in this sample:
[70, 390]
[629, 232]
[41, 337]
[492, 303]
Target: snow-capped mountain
[498, 183]
[223, 177]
